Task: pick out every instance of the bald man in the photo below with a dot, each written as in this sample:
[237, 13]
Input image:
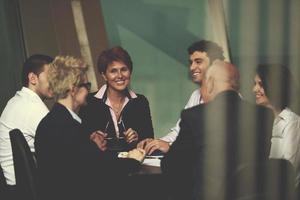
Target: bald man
[215, 138]
[223, 76]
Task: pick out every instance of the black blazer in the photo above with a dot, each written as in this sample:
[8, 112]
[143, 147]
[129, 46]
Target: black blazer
[214, 139]
[70, 166]
[136, 115]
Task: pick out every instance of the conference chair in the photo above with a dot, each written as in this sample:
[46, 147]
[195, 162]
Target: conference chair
[24, 165]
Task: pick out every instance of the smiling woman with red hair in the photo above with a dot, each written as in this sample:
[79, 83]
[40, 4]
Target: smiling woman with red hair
[121, 115]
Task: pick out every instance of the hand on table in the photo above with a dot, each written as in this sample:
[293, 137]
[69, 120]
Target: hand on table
[99, 138]
[131, 135]
[142, 144]
[156, 144]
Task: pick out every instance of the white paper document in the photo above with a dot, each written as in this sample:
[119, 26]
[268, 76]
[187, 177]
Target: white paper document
[152, 162]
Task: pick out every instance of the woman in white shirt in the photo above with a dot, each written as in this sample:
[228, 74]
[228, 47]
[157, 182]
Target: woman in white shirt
[272, 88]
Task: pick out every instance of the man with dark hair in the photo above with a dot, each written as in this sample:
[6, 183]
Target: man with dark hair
[25, 110]
[201, 55]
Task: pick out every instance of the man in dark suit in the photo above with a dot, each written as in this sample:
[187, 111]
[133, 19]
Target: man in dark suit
[215, 138]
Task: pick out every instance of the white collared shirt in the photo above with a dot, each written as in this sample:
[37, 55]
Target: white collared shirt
[286, 138]
[100, 95]
[74, 115]
[195, 99]
[24, 111]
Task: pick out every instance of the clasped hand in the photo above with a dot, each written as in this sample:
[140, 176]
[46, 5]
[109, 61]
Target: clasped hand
[131, 135]
[99, 138]
[150, 145]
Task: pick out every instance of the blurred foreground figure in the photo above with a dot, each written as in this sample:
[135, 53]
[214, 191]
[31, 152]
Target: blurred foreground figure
[223, 146]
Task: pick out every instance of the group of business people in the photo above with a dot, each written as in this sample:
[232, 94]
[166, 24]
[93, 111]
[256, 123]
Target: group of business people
[77, 142]
[219, 133]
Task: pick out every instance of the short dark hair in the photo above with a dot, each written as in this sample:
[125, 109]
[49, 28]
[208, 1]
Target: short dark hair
[276, 81]
[213, 50]
[34, 64]
[116, 53]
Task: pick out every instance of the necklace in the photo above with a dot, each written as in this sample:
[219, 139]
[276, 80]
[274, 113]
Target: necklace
[117, 108]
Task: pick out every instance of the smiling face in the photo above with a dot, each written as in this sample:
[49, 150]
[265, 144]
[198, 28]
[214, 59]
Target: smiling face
[117, 76]
[260, 95]
[199, 62]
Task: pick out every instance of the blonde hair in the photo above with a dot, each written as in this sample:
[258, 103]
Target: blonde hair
[65, 72]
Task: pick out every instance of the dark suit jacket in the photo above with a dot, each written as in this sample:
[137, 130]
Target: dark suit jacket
[136, 115]
[214, 139]
[70, 166]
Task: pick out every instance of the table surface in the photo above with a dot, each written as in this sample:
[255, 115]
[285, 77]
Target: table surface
[148, 177]
[147, 170]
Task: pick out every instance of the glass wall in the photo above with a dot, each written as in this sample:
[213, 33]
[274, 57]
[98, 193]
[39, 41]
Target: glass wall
[156, 34]
[264, 31]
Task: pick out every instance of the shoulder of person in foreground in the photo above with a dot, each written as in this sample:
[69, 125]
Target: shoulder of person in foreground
[181, 151]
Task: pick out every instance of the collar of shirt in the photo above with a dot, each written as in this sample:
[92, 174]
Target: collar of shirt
[284, 116]
[280, 122]
[194, 99]
[102, 94]
[28, 92]
[74, 115]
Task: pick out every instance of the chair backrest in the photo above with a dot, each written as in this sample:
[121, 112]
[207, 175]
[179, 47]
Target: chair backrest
[25, 166]
[3, 185]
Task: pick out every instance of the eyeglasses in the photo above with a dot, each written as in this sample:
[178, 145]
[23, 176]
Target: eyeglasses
[87, 85]
[121, 126]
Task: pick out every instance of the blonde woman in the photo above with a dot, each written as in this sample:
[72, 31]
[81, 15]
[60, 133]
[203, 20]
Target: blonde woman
[70, 162]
